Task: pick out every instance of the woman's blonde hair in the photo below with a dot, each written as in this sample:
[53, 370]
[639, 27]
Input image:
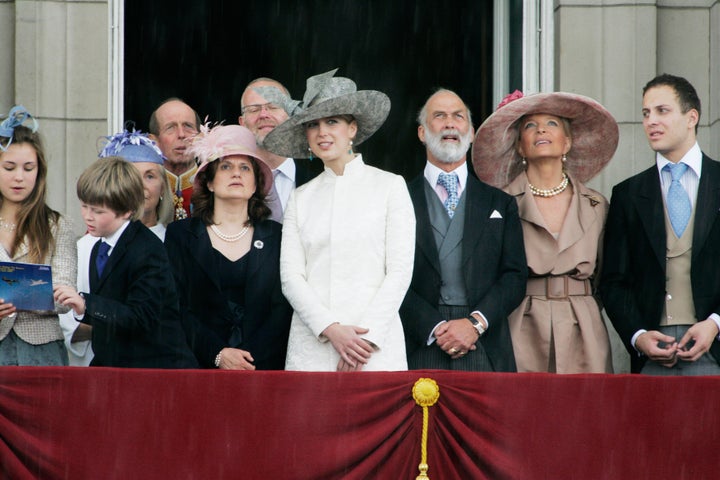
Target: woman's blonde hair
[165, 209]
[113, 183]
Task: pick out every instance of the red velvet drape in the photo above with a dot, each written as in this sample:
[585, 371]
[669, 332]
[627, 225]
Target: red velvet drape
[94, 423]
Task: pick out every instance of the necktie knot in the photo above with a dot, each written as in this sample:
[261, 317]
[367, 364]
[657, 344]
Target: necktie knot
[449, 181]
[676, 170]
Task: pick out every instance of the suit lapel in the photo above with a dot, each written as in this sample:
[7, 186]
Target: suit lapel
[118, 252]
[707, 203]
[425, 240]
[256, 255]
[649, 204]
[202, 250]
[585, 203]
[477, 214]
[92, 269]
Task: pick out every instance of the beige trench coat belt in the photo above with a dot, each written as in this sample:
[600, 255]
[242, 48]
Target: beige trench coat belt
[557, 287]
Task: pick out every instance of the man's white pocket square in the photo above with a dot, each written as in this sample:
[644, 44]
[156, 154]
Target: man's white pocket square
[495, 214]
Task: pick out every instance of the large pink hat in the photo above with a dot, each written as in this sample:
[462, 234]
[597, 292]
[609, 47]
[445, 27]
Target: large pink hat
[594, 136]
[223, 141]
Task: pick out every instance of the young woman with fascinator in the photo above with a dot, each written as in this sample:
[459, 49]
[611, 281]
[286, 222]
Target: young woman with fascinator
[31, 232]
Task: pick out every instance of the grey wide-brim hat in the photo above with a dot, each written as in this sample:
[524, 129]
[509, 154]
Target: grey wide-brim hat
[325, 96]
[595, 136]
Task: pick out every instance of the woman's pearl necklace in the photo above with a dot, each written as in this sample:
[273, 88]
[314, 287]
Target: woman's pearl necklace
[229, 238]
[550, 192]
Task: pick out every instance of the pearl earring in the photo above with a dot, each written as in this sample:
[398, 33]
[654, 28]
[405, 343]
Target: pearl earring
[564, 158]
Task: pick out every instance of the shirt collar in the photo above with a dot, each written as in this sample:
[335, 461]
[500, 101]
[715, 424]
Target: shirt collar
[287, 168]
[693, 159]
[113, 239]
[432, 173]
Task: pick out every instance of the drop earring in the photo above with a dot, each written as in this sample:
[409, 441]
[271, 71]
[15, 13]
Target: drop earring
[564, 158]
[311, 155]
[524, 162]
[350, 150]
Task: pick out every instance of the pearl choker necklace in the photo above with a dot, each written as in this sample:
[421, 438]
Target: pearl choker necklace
[7, 225]
[229, 238]
[549, 192]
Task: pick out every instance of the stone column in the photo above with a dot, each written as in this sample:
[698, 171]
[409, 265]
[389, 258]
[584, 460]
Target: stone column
[60, 73]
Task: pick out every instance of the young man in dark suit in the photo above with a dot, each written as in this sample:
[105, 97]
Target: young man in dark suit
[660, 280]
[470, 270]
[132, 304]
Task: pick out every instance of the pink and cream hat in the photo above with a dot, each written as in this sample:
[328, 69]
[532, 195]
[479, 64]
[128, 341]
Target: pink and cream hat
[595, 136]
[223, 141]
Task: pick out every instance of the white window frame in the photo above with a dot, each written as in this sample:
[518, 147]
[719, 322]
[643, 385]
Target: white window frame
[116, 66]
[538, 43]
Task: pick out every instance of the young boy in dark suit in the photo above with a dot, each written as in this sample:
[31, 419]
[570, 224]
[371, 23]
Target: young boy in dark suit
[132, 304]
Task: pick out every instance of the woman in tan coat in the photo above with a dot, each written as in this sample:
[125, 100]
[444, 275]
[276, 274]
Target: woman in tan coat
[542, 149]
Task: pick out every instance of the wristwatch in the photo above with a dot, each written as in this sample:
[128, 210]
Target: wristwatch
[477, 324]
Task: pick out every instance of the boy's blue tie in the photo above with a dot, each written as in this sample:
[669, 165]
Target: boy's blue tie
[102, 257]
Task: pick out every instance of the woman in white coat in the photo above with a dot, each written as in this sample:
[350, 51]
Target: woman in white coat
[348, 235]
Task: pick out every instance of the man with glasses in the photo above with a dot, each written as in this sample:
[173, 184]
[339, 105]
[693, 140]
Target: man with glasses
[261, 117]
[171, 126]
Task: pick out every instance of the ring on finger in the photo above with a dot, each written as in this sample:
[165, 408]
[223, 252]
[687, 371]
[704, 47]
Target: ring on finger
[453, 350]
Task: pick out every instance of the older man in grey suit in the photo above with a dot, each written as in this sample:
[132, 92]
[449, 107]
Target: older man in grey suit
[470, 270]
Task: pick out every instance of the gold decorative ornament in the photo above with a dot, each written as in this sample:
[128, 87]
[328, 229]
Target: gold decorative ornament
[426, 394]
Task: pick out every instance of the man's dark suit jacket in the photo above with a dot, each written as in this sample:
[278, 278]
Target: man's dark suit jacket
[206, 315]
[303, 173]
[632, 285]
[494, 268]
[133, 306]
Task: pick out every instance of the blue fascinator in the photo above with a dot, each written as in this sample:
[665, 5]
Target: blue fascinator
[17, 116]
[133, 146]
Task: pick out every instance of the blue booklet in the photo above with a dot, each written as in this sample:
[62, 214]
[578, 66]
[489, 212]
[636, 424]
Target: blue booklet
[28, 286]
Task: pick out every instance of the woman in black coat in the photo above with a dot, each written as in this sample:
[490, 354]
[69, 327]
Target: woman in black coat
[225, 258]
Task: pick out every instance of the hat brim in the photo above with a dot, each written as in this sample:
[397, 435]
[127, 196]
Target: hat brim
[595, 136]
[369, 107]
